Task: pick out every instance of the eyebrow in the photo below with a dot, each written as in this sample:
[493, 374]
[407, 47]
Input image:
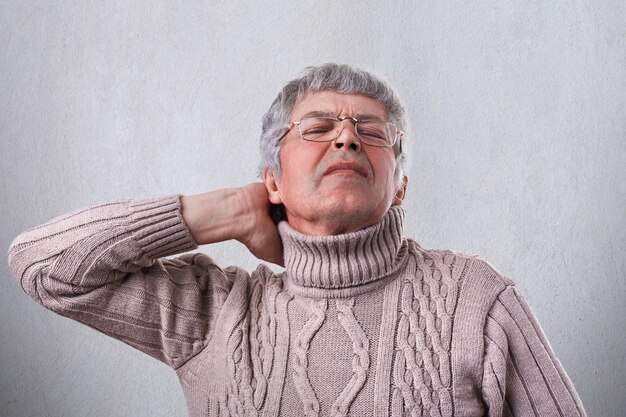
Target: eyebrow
[326, 113]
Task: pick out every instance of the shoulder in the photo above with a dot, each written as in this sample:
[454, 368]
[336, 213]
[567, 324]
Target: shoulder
[233, 286]
[466, 264]
[475, 279]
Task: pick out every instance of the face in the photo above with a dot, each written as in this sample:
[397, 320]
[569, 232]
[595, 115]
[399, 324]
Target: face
[334, 187]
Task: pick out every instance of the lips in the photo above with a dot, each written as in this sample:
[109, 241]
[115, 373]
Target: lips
[346, 166]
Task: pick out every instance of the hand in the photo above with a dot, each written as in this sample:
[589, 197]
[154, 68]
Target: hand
[260, 234]
[235, 213]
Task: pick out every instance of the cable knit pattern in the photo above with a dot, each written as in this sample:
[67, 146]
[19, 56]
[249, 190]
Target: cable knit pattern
[300, 367]
[366, 323]
[361, 360]
[428, 301]
[260, 347]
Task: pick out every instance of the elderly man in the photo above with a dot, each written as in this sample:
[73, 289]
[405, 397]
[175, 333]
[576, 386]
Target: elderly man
[362, 322]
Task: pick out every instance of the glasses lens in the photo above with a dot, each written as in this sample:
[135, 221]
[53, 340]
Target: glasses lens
[376, 133]
[318, 129]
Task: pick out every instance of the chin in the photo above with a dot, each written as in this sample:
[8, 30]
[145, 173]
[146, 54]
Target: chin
[350, 217]
[347, 203]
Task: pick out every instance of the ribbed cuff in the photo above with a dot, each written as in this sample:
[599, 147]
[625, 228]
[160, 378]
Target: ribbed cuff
[158, 227]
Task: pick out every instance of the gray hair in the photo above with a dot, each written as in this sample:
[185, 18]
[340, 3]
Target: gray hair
[333, 77]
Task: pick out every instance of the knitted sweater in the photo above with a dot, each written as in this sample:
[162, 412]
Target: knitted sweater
[361, 324]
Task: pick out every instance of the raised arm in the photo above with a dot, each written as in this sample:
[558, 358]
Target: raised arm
[102, 266]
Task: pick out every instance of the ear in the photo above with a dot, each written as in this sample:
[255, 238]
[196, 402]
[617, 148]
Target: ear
[270, 181]
[397, 200]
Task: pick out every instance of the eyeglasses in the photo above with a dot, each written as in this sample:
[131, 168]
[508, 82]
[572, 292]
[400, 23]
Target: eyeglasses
[326, 129]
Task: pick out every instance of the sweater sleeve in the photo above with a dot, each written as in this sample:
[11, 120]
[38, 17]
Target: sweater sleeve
[100, 266]
[521, 375]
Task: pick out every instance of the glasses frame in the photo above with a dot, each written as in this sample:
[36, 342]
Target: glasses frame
[399, 133]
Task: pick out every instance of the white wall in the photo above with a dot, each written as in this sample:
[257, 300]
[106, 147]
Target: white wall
[518, 137]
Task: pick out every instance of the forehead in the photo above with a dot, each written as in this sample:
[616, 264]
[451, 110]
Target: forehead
[339, 105]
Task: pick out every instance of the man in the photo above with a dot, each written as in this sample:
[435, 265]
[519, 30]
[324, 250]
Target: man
[362, 322]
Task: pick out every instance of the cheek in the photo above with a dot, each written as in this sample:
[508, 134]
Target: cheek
[302, 160]
[290, 171]
[384, 167]
[295, 173]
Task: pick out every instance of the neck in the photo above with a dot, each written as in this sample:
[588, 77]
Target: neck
[330, 226]
[344, 262]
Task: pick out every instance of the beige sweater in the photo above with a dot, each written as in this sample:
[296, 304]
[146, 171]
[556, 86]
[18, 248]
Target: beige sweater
[363, 324]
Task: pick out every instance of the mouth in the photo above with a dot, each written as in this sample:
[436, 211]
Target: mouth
[345, 167]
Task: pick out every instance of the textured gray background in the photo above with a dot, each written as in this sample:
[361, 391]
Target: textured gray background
[518, 136]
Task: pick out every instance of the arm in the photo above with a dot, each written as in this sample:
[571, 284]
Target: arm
[521, 375]
[101, 266]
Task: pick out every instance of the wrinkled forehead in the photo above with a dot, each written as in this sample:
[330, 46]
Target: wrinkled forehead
[331, 103]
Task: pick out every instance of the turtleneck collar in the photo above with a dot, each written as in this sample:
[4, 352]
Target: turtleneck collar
[343, 262]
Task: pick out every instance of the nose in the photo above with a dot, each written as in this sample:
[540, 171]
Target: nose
[347, 138]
